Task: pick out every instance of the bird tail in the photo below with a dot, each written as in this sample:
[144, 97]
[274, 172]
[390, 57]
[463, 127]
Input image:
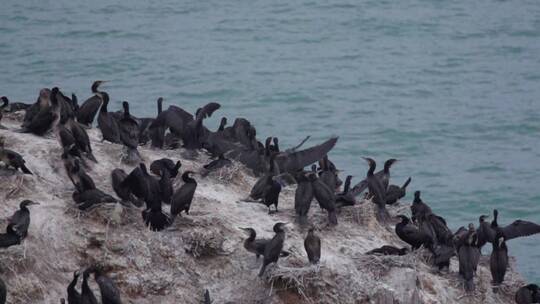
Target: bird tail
[91, 157]
[469, 285]
[407, 182]
[263, 269]
[25, 170]
[332, 217]
[133, 156]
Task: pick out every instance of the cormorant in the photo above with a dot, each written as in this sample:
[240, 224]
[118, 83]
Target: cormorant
[271, 194]
[498, 261]
[395, 193]
[194, 133]
[164, 163]
[218, 163]
[129, 135]
[377, 191]
[20, 220]
[328, 176]
[38, 114]
[325, 197]
[418, 208]
[89, 108]
[182, 198]
[346, 198]
[411, 235]
[12, 159]
[118, 176]
[303, 197]
[469, 256]
[382, 175]
[273, 249]
[294, 161]
[87, 296]
[76, 174]
[109, 292]
[389, 250]
[107, 123]
[13, 106]
[312, 244]
[254, 245]
[528, 294]
[91, 197]
[10, 238]
[73, 296]
[518, 228]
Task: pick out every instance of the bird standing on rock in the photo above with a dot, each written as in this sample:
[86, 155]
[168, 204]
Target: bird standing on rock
[12, 159]
[273, 249]
[182, 198]
[312, 244]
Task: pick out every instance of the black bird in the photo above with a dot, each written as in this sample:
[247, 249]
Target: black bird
[395, 193]
[528, 294]
[42, 103]
[293, 161]
[137, 183]
[254, 245]
[194, 133]
[13, 106]
[40, 118]
[382, 175]
[389, 250]
[273, 249]
[182, 198]
[73, 296]
[20, 220]
[3, 292]
[518, 228]
[328, 176]
[122, 190]
[109, 292]
[469, 256]
[129, 135]
[218, 163]
[76, 174]
[271, 194]
[411, 235]
[303, 197]
[325, 197]
[89, 108]
[498, 261]
[377, 191]
[418, 208]
[312, 244]
[91, 197]
[155, 218]
[87, 296]
[107, 123]
[346, 198]
[165, 164]
[12, 159]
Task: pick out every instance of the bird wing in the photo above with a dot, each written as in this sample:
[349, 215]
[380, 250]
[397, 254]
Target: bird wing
[19, 222]
[292, 162]
[520, 228]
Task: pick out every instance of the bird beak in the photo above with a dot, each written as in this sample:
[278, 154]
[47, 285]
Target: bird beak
[34, 203]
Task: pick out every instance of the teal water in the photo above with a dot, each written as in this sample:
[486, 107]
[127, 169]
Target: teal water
[451, 88]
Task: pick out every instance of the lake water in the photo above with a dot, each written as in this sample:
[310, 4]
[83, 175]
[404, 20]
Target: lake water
[451, 88]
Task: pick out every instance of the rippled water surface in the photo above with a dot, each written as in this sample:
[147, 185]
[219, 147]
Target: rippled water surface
[451, 88]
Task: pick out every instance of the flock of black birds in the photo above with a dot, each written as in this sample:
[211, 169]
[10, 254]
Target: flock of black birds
[275, 168]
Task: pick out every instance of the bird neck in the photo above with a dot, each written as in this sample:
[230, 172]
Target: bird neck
[187, 179]
[371, 169]
[347, 184]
